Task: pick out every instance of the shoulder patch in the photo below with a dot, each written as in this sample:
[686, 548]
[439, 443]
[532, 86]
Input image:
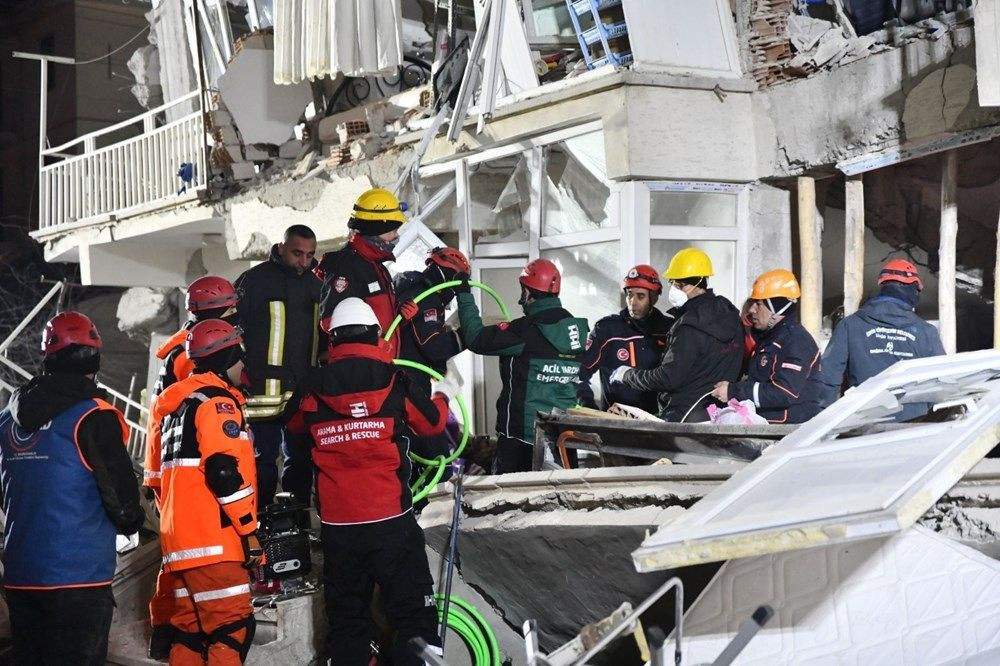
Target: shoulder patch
[340, 284]
[431, 314]
[231, 428]
[225, 408]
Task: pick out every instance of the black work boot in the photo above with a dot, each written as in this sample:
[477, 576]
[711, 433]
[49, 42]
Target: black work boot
[160, 641]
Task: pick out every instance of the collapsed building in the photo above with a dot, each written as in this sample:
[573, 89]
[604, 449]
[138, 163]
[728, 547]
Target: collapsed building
[596, 134]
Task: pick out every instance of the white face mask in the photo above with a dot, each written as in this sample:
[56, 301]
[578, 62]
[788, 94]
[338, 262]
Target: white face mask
[676, 297]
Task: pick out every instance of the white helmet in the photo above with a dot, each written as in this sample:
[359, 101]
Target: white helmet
[353, 312]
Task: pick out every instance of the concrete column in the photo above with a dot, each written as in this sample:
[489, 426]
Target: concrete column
[854, 243]
[946, 250]
[810, 256]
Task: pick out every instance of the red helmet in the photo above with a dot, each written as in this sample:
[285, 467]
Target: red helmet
[450, 258]
[210, 292]
[643, 276]
[541, 275]
[210, 336]
[69, 328]
[900, 270]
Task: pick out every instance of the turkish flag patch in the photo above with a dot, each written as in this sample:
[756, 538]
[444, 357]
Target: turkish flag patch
[340, 284]
[431, 314]
[225, 408]
[622, 354]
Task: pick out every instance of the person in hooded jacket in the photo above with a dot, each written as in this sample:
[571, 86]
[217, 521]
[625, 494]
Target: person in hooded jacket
[884, 331]
[208, 502]
[783, 371]
[540, 357]
[358, 270]
[636, 337]
[208, 297]
[705, 345]
[68, 489]
[358, 410]
[279, 314]
[427, 339]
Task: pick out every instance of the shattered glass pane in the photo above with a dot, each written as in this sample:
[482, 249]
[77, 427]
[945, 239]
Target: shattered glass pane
[499, 196]
[577, 191]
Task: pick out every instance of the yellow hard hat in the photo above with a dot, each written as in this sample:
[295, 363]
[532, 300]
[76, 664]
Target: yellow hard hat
[778, 283]
[688, 263]
[378, 205]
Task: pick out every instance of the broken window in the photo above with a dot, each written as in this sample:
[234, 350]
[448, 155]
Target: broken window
[577, 193]
[499, 195]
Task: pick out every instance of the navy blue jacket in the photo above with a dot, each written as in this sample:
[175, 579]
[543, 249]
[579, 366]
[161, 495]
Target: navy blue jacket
[618, 340]
[783, 374]
[426, 338]
[884, 331]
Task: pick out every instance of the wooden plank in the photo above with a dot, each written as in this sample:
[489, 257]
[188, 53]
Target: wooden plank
[810, 257]
[946, 250]
[854, 244]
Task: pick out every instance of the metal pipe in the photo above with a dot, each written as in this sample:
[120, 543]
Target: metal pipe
[456, 518]
[674, 582]
[31, 315]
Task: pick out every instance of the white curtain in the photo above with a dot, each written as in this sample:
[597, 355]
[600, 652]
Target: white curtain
[314, 38]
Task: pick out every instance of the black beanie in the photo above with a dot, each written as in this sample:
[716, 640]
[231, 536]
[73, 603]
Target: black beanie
[373, 227]
[908, 293]
[220, 361]
[77, 359]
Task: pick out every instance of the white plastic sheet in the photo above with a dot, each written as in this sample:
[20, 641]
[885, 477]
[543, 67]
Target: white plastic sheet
[315, 38]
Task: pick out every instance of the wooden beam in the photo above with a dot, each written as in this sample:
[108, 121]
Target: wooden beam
[854, 243]
[946, 250]
[810, 257]
[996, 294]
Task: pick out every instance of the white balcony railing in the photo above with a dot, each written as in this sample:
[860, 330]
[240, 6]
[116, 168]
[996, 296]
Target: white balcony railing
[81, 179]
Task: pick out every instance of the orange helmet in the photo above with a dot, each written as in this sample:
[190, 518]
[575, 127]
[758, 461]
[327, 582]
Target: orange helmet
[450, 258]
[777, 283]
[643, 276]
[900, 270]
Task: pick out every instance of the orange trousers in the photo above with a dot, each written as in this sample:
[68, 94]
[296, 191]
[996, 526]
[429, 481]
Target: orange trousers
[161, 606]
[212, 602]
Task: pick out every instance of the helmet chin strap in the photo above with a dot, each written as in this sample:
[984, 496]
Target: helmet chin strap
[771, 323]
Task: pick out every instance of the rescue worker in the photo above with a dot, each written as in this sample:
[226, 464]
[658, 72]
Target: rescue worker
[883, 331]
[356, 409]
[208, 297]
[357, 269]
[539, 354]
[279, 315]
[427, 339]
[636, 337]
[68, 488]
[705, 345]
[208, 501]
[783, 373]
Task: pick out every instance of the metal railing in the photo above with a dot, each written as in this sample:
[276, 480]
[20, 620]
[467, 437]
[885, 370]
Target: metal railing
[135, 413]
[81, 179]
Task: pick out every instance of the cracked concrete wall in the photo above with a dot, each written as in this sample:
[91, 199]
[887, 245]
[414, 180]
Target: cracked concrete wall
[857, 108]
[258, 218]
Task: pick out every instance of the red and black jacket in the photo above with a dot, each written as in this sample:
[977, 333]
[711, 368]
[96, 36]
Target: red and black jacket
[357, 270]
[357, 409]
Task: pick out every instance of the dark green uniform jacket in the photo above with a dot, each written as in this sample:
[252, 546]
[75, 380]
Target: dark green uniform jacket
[539, 360]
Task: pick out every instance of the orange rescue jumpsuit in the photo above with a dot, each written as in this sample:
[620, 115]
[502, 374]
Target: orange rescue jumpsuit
[208, 503]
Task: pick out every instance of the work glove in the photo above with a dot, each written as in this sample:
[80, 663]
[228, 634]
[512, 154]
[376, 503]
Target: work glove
[409, 310]
[618, 376]
[464, 287]
[447, 387]
[253, 552]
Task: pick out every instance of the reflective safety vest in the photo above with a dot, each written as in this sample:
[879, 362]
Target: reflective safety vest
[203, 416]
[57, 531]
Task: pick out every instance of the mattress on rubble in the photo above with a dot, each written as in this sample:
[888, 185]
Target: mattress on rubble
[914, 598]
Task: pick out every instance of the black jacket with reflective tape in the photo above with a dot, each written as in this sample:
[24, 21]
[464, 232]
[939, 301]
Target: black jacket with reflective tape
[783, 377]
[279, 314]
[618, 340]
